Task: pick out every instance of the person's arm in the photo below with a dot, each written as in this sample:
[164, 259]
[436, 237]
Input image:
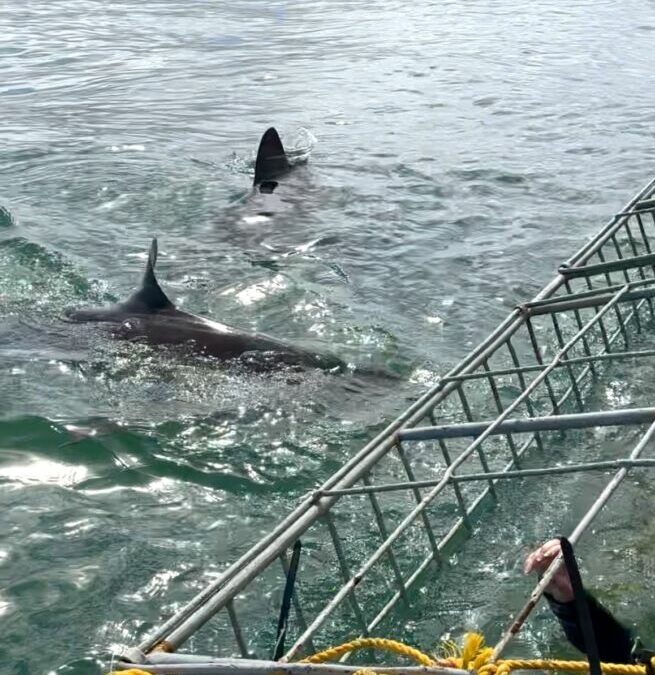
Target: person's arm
[613, 639]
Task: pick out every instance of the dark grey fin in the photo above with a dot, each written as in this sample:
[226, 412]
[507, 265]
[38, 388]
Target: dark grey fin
[271, 158]
[149, 297]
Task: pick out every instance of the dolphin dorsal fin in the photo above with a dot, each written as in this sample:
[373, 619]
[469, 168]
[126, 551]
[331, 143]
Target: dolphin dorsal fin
[271, 158]
[149, 297]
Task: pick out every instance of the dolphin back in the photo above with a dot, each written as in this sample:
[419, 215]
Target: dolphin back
[148, 298]
[271, 157]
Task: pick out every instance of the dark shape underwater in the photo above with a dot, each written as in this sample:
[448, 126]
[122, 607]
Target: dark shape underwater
[148, 315]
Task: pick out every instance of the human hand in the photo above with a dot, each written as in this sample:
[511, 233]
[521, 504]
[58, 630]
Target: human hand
[539, 560]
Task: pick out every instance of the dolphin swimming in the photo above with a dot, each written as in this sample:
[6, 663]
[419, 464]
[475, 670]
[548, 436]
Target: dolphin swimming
[148, 315]
[277, 186]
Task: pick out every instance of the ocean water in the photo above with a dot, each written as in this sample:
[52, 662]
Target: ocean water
[459, 152]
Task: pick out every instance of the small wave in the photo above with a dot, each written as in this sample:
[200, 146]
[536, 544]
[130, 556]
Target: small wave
[30, 273]
[301, 146]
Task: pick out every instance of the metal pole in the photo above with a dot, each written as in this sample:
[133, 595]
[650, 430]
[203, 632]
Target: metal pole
[348, 473]
[160, 662]
[636, 261]
[581, 295]
[604, 418]
[499, 475]
[610, 356]
[591, 301]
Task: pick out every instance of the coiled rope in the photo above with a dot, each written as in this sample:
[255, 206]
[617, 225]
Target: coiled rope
[472, 656]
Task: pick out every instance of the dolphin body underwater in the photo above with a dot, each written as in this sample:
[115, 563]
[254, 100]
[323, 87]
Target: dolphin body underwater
[149, 316]
[277, 187]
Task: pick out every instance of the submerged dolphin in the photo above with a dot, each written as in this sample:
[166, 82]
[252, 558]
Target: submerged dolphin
[276, 186]
[150, 316]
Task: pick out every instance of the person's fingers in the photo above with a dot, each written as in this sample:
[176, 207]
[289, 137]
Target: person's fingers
[540, 558]
[548, 551]
[552, 547]
[533, 562]
[527, 563]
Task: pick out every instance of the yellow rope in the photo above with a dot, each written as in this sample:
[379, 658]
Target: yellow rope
[131, 671]
[473, 656]
[508, 665]
[370, 643]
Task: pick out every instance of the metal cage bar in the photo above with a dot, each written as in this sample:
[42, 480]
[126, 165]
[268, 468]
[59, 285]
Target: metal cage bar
[640, 268]
[417, 496]
[379, 519]
[499, 407]
[458, 493]
[345, 575]
[236, 628]
[481, 455]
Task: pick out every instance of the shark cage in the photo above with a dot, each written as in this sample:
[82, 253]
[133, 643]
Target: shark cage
[388, 520]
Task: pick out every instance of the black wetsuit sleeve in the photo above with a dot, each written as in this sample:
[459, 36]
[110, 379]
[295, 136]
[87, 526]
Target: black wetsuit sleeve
[614, 640]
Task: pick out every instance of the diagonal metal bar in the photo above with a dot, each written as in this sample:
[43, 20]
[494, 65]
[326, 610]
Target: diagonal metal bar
[601, 324]
[458, 493]
[236, 627]
[345, 572]
[417, 496]
[500, 475]
[537, 355]
[626, 277]
[640, 271]
[481, 454]
[528, 401]
[637, 261]
[567, 363]
[603, 418]
[578, 321]
[611, 356]
[587, 370]
[384, 533]
[457, 532]
[499, 407]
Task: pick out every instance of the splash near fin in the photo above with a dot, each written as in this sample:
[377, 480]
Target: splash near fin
[149, 297]
[271, 158]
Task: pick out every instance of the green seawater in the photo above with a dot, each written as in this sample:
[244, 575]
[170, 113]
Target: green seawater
[461, 152]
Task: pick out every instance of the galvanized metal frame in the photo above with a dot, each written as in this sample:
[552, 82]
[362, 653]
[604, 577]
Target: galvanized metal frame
[588, 317]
